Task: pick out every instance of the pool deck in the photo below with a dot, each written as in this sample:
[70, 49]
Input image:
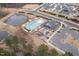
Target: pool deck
[34, 30]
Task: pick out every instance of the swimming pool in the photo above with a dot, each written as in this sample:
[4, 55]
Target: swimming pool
[34, 24]
[16, 19]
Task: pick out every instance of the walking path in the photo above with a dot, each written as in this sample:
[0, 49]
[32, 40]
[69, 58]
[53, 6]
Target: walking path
[55, 33]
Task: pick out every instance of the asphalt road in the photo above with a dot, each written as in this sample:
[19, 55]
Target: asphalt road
[69, 23]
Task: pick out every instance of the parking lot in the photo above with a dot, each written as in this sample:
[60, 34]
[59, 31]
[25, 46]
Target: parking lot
[63, 40]
[60, 8]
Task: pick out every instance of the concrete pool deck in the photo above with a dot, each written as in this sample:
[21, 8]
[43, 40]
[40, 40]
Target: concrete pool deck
[35, 23]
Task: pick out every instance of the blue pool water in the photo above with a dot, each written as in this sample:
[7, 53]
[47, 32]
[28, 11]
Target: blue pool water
[16, 19]
[34, 24]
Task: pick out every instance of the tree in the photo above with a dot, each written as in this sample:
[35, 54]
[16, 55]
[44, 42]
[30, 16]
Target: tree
[4, 52]
[18, 44]
[29, 50]
[12, 43]
[42, 50]
[53, 52]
